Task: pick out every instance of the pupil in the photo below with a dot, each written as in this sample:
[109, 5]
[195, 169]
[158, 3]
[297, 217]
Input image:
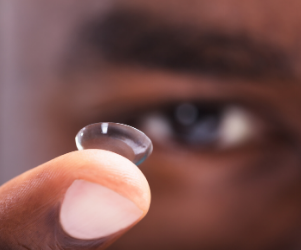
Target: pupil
[186, 114]
[196, 124]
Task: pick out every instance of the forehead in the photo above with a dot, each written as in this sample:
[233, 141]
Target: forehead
[270, 18]
[55, 23]
[273, 20]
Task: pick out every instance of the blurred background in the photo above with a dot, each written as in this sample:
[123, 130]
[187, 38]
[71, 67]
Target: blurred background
[214, 84]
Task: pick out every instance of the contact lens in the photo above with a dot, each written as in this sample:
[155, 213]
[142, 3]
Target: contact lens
[118, 138]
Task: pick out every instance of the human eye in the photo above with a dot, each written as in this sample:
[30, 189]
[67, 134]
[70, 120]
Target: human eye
[206, 126]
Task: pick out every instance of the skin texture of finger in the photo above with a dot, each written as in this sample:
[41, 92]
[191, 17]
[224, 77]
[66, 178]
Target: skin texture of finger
[31, 204]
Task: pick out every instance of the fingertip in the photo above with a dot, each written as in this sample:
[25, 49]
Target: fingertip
[91, 211]
[113, 196]
[110, 170]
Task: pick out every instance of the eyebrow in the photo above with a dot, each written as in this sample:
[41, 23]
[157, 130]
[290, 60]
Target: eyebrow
[133, 37]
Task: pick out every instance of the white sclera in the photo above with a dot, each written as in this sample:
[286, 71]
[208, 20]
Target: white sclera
[118, 138]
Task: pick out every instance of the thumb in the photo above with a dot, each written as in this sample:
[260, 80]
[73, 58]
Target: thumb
[81, 200]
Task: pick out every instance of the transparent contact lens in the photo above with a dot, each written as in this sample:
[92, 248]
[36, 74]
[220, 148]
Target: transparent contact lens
[118, 138]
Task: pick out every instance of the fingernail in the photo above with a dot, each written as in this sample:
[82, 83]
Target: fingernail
[91, 211]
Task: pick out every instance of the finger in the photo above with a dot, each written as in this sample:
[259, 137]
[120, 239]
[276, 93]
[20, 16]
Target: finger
[81, 200]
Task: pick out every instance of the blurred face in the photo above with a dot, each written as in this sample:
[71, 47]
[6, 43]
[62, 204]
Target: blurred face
[215, 85]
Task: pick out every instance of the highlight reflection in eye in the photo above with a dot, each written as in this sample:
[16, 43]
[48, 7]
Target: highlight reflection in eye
[202, 125]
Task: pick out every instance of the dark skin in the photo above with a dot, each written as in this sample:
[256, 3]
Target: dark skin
[132, 62]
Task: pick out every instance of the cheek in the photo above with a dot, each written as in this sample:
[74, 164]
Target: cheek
[251, 195]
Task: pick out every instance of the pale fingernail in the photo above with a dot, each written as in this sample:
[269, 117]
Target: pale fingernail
[91, 211]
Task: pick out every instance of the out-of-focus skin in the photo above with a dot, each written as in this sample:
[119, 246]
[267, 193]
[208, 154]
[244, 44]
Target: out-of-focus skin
[71, 63]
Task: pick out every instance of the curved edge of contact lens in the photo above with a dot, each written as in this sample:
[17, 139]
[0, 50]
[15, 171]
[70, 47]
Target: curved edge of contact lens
[149, 151]
[146, 155]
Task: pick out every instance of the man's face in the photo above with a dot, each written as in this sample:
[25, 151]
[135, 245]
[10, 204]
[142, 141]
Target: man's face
[215, 84]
